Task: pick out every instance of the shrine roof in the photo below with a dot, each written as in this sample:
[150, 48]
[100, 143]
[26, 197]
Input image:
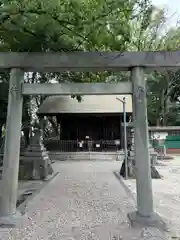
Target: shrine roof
[88, 104]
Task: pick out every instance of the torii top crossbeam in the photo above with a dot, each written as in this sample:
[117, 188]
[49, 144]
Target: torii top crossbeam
[89, 61]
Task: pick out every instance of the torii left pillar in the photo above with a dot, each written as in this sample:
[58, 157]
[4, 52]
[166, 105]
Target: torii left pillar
[9, 187]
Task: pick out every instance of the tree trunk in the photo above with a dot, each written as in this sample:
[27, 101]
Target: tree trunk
[1, 139]
[158, 122]
[26, 136]
[54, 125]
[162, 108]
[166, 110]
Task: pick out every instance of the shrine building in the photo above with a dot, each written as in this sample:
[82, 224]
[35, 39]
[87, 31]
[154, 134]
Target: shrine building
[95, 117]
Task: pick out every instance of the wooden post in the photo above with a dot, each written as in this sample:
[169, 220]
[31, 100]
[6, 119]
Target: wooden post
[12, 148]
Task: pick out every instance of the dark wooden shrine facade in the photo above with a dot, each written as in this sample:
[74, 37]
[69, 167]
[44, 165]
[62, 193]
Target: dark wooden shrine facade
[102, 129]
[95, 126]
[96, 118]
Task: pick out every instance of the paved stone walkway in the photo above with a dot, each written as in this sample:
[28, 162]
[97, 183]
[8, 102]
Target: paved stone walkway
[84, 202]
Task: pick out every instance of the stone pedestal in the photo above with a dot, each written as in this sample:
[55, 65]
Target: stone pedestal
[35, 161]
[131, 160]
[153, 155]
[11, 221]
[154, 221]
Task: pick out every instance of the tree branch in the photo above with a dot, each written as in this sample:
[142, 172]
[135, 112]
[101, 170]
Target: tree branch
[42, 12]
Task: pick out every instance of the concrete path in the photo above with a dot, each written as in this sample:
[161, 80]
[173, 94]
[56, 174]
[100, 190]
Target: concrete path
[84, 202]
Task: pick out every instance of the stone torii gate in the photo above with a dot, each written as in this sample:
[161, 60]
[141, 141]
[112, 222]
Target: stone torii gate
[136, 62]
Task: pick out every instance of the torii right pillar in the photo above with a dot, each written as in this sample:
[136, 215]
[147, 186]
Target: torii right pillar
[145, 212]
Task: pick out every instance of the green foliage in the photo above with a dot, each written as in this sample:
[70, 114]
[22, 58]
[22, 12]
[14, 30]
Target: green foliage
[93, 25]
[63, 25]
[163, 88]
[3, 103]
[68, 25]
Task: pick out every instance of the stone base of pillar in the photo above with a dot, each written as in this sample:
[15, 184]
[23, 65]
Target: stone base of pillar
[11, 221]
[153, 221]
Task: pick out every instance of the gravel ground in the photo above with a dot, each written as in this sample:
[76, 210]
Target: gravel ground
[84, 202]
[166, 192]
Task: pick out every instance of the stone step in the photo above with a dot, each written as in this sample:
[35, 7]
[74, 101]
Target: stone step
[38, 149]
[30, 159]
[84, 156]
[35, 154]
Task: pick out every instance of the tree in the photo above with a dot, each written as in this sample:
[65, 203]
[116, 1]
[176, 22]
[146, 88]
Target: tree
[3, 105]
[67, 25]
[164, 87]
[149, 34]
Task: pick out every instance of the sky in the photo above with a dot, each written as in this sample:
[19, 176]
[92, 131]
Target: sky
[173, 9]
